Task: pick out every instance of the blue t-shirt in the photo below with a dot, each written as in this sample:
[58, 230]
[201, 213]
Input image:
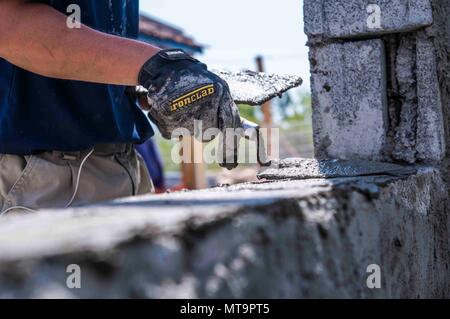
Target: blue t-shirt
[42, 114]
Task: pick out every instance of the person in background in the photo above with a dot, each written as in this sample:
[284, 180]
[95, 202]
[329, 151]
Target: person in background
[152, 157]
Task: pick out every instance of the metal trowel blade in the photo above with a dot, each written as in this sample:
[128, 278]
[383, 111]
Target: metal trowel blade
[248, 87]
[253, 88]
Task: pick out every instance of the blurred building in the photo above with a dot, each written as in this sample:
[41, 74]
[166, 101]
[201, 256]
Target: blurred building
[166, 36]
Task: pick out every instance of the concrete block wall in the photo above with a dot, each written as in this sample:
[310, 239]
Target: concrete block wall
[375, 88]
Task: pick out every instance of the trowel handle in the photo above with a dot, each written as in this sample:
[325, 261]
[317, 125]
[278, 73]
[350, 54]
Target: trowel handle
[246, 124]
[255, 136]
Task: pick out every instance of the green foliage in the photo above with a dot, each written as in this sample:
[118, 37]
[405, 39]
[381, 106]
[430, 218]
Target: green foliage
[165, 147]
[248, 112]
[296, 111]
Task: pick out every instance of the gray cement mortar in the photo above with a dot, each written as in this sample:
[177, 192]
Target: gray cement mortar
[249, 87]
[414, 99]
[287, 239]
[405, 72]
[430, 125]
[439, 34]
[256, 88]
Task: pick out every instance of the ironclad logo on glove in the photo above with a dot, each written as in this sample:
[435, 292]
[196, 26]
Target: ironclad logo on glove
[195, 96]
[181, 91]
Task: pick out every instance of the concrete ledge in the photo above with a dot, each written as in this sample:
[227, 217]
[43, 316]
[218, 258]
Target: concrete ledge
[305, 239]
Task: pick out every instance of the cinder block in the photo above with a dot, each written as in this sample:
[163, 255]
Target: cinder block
[349, 99]
[430, 143]
[349, 18]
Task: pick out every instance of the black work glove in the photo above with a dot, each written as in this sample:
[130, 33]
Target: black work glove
[181, 90]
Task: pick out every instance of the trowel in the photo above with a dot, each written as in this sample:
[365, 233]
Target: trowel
[251, 88]
[256, 88]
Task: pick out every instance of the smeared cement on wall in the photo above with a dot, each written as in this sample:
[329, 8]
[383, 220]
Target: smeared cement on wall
[307, 238]
[415, 104]
[349, 99]
[301, 168]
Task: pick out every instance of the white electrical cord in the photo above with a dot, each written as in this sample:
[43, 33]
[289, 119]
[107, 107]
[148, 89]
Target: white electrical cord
[18, 207]
[78, 178]
[77, 185]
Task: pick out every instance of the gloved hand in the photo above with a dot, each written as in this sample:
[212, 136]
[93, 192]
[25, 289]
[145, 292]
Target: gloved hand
[181, 90]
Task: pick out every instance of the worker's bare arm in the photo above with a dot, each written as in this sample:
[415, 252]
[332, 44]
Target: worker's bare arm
[36, 37]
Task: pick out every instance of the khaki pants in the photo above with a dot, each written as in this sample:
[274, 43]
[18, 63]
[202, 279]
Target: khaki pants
[48, 180]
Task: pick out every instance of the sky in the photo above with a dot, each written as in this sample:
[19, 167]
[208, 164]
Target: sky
[236, 31]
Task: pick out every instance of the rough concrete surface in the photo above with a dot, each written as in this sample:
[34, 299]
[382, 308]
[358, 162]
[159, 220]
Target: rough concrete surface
[349, 99]
[440, 35]
[404, 144]
[341, 19]
[256, 88]
[305, 168]
[430, 126]
[414, 99]
[311, 238]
